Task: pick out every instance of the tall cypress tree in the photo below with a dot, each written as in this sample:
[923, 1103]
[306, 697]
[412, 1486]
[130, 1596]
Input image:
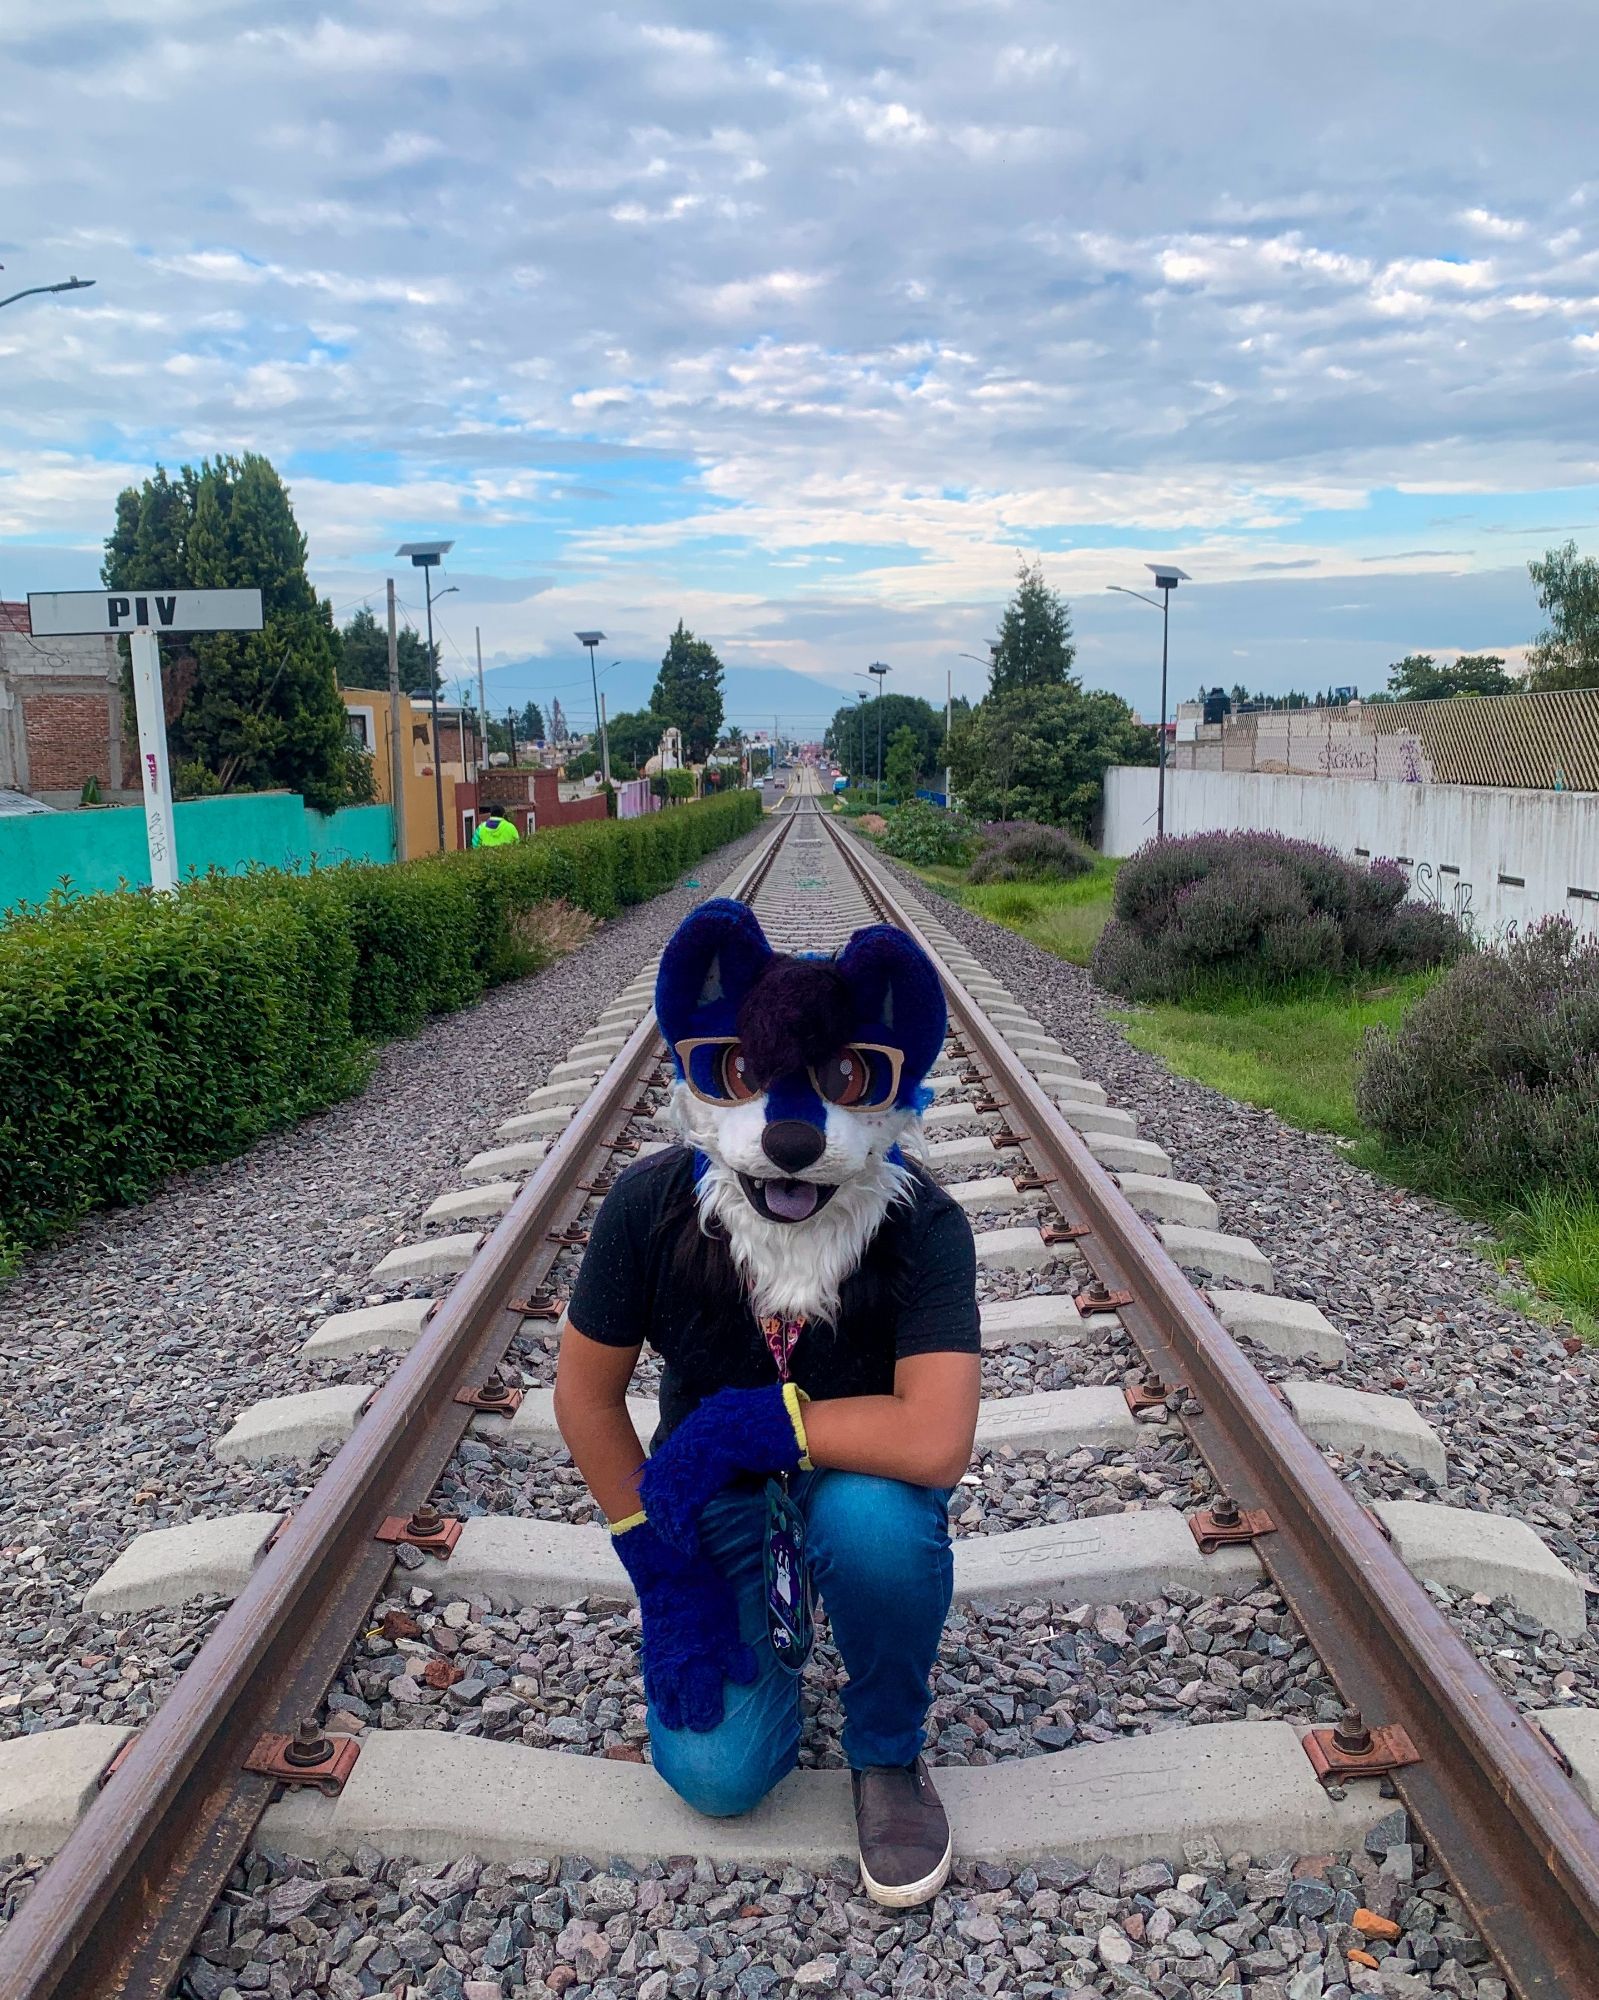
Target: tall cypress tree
[688, 691]
[262, 709]
[1035, 646]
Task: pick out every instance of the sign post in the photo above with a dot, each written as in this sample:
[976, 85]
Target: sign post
[140, 616]
[155, 767]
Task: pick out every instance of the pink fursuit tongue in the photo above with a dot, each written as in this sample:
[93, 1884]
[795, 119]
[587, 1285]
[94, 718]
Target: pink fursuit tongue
[792, 1201]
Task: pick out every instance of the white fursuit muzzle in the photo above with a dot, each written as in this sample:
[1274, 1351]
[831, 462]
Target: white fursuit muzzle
[797, 1269]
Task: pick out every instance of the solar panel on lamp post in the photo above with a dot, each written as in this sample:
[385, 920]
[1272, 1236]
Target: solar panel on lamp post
[426, 556]
[1167, 577]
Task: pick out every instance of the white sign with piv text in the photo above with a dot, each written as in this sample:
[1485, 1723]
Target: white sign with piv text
[61, 614]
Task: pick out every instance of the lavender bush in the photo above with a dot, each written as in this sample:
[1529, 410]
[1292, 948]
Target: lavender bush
[1020, 850]
[1256, 910]
[1493, 1076]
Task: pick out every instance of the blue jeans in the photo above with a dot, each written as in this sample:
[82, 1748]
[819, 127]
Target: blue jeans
[878, 1553]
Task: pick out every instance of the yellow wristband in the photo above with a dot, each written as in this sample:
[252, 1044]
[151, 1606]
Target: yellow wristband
[793, 1396]
[628, 1521]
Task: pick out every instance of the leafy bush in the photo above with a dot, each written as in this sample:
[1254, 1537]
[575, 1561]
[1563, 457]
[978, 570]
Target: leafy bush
[926, 836]
[1492, 1079]
[1020, 851]
[141, 1035]
[1258, 910]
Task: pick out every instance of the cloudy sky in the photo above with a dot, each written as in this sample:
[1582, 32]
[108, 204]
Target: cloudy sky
[800, 320]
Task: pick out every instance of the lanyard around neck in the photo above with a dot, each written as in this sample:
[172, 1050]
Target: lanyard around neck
[780, 1334]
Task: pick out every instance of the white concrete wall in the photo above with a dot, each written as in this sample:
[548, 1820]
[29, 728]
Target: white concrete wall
[1497, 856]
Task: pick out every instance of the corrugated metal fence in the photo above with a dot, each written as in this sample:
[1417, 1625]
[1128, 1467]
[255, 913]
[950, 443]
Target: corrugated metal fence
[1536, 742]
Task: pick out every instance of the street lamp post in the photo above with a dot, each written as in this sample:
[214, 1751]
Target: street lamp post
[1167, 579]
[862, 713]
[37, 291]
[426, 556]
[591, 640]
[877, 667]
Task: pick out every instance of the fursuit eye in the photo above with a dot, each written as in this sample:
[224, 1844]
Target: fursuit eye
[735, 1078]
[845, 1078]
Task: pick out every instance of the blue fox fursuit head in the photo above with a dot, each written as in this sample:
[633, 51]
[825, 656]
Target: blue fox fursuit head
[799, 1079]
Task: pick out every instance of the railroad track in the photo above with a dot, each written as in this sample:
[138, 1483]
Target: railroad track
[1084, 1243]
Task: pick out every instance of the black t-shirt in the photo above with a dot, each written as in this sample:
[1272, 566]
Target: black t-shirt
[648, 1275]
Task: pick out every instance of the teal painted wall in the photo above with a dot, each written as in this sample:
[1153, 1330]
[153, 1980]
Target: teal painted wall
[104, 848]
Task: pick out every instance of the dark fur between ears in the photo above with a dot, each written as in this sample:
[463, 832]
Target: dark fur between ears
[795, 1015]
[882, 987]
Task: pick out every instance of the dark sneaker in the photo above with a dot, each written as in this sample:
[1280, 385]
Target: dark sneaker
[903, 1834]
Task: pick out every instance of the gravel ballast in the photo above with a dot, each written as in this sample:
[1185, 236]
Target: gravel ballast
[1206, 1927]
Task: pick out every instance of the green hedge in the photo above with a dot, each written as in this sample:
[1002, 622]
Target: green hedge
[143, 1035]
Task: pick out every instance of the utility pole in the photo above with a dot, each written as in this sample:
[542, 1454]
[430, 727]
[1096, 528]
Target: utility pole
[397, 746]
[605, 747]
[483, 707]
[426, 556]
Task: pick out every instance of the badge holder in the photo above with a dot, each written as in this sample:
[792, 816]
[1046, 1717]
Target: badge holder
[789, 1624]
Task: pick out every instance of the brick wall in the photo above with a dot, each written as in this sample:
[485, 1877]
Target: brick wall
[60, 712]
[552, 810]
[69, 741]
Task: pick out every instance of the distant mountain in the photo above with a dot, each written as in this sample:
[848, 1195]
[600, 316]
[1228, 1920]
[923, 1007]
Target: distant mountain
[753, 697]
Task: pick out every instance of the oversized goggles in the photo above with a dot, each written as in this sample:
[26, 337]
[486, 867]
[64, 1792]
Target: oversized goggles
[861, 1076]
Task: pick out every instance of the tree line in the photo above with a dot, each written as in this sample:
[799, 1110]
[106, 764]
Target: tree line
[1035, 747]
[257, 711]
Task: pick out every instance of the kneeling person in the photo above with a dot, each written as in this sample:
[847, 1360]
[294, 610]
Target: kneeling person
[812, 1295]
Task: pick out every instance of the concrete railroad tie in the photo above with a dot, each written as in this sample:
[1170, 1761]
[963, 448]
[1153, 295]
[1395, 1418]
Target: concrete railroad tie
[430, 1796]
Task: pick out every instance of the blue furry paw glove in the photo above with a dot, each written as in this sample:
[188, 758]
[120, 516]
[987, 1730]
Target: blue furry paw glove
[690, 1618]
[735, 1431]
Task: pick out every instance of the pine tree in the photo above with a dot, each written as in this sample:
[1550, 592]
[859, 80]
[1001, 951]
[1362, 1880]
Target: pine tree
[530, 724]
[1035, 647]
[261, 709]
[688, 691]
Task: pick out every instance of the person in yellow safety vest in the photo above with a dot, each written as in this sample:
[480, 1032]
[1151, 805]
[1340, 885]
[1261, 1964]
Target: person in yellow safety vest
[496, 832]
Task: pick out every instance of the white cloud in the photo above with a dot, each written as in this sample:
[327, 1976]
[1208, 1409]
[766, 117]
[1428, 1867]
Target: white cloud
[654, 297]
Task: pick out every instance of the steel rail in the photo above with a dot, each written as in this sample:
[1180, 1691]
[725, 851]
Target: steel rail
[1489, 1795]
[117, 1910]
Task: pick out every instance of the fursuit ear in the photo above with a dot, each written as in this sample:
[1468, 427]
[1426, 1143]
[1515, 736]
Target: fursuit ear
[711, 961]
[899, 999]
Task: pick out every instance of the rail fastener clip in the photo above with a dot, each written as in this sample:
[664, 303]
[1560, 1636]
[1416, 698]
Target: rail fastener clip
[435, 1534]
[1150, 1394]
[543, 1305]
[1006, 1137]
[1094, 1299]
[493, 1393]
[571, 1238]
[988, 1105]
[1351, 1749]
[308, 1757]
[1065, 1232]
[1224, 1524]
[1027, 1183]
